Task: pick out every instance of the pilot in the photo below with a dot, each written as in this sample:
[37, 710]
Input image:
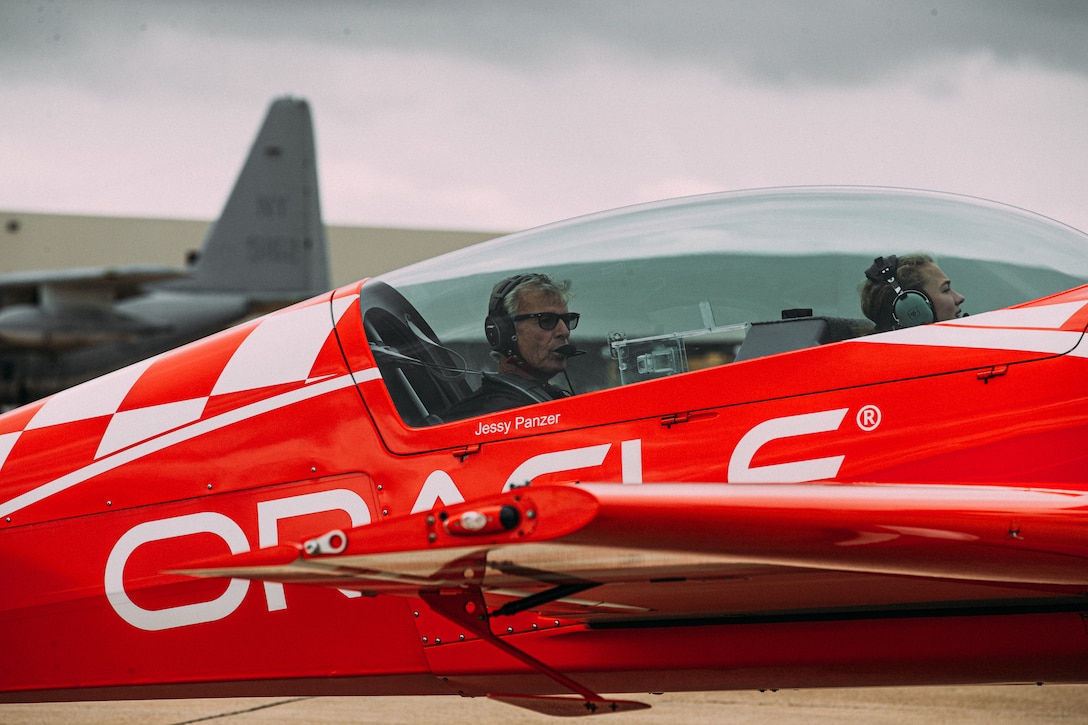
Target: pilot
[528, 328]
[907, 291]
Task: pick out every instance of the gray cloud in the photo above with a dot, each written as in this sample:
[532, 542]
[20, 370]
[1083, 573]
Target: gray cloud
[489, 114]
[788, 41]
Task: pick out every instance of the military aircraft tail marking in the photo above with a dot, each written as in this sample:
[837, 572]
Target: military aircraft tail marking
[270, 238]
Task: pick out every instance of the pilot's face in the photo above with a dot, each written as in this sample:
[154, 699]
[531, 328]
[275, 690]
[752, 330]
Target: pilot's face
[938, 288]
[537, 345]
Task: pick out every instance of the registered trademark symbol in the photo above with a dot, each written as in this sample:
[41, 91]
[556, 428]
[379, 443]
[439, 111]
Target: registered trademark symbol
[869, 417]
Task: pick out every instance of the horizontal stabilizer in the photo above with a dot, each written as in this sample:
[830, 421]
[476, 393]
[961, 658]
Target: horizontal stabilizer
[112, 283]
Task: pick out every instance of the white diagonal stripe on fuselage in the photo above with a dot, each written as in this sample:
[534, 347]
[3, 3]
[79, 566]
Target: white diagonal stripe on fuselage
[1051, 342]
[109, 463]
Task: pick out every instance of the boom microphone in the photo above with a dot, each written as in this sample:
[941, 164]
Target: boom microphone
[569, 350]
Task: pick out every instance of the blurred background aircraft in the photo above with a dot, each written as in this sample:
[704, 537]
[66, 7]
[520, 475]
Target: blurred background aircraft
[267, 249]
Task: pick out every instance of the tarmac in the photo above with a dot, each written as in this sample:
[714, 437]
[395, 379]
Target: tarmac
[989, 705]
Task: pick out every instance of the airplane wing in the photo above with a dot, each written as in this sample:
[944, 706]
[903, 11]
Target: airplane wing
[56, 309]
[613, 556]
[624, 541]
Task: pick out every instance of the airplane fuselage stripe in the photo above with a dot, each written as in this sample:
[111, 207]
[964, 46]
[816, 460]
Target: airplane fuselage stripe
[180, 435]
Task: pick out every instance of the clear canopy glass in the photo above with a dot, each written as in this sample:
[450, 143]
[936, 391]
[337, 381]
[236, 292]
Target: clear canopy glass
[670, 286]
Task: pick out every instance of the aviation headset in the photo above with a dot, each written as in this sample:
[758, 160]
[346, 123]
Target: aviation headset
[910, 307]
[499, 328]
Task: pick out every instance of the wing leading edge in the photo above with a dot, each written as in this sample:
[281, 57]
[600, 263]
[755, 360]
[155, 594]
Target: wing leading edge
[993, 534]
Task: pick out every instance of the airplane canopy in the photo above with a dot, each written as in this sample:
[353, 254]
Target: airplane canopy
[675, 285]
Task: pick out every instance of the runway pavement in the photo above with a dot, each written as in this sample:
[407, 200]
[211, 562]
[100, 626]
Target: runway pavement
[1022, 705]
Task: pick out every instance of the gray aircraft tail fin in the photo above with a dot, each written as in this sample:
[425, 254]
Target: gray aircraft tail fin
[269, 242]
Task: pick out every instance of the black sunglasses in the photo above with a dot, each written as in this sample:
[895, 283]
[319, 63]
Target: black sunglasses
[548, 320]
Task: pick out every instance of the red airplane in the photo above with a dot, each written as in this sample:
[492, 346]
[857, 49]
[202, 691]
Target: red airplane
[745, 487]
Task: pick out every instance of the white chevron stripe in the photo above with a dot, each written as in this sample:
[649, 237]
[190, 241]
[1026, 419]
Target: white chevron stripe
[132, 426]
[101, 396]
[175, 437]
[1043, 317]
[282, 349]
[306, 330]
[1050, 342]
[7, 442]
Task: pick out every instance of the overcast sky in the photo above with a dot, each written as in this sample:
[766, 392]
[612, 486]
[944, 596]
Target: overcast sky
[503, 115]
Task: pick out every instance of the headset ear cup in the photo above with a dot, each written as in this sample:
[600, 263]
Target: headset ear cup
[500, 334]
[490, 333]
[498, 327]
[912, 308]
